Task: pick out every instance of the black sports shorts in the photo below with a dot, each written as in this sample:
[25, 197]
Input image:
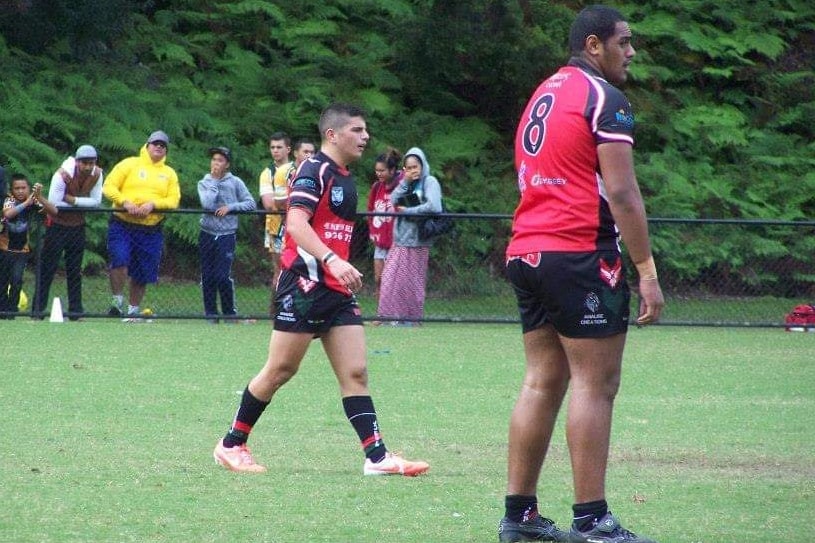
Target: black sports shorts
[303, 305]
[583, 295]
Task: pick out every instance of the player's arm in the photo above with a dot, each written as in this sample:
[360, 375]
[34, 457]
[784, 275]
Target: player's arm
[624, 198]
[299, 228]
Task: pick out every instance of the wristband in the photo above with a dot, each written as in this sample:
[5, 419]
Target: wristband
[19, 208]
[647, 270]
[328, 257]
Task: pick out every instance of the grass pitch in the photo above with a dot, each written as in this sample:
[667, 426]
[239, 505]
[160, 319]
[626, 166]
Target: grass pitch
[108, 431]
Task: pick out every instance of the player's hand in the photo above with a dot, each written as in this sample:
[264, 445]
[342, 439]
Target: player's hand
[651, 301]
[346, 274]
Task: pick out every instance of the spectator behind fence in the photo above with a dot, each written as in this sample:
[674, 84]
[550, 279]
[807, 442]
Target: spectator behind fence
[19, 210]
[139, 185]
[315, 298]
[221, 193]
[77, 183]
[573, 155]
[274, 194]
[380, 227]
[303, 149]
[405, 275]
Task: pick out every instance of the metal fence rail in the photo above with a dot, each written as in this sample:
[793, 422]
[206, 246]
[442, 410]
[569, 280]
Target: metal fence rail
[714, 272]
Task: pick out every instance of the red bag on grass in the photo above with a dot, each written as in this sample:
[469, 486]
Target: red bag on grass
[801, 319]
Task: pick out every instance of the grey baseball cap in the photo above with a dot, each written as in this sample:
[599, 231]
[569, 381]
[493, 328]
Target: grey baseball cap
[158, 135]
[221, 151]
[85, 152]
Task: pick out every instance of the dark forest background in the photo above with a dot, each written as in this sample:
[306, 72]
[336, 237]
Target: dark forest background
[722, 91]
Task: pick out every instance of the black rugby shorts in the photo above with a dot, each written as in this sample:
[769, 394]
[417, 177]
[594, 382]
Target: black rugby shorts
[302, 305]
[583, 295]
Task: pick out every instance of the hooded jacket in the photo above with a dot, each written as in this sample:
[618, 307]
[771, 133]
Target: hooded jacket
[428, 189]
[229, 191]
[138, 179]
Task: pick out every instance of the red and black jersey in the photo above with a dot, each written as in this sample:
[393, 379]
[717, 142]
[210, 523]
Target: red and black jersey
[328, 192]
[563, 205]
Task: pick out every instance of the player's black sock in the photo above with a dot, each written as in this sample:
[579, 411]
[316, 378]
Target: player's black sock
[587, 514]
[520, 508]
[248, 414]
[360, 412]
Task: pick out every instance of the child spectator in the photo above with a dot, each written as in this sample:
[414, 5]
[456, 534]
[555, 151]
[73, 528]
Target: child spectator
[18, 211]
[220, 193]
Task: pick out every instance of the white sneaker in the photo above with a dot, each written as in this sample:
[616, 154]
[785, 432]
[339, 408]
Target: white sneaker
[393, 464]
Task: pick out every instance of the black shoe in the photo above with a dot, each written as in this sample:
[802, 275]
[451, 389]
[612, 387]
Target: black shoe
[537, 529]
[114, 311]
[608, 530]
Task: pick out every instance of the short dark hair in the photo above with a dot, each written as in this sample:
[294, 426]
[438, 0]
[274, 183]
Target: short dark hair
[277, 136]
[18, 177]
[299, 142]
[600, 21]
[336, 116]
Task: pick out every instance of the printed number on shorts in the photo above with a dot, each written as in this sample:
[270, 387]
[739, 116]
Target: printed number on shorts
[535, 130]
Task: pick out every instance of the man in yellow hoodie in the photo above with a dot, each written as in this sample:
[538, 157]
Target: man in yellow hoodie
[139, 185]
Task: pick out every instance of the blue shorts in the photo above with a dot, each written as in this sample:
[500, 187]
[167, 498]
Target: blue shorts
[583, 295]
[136, 247]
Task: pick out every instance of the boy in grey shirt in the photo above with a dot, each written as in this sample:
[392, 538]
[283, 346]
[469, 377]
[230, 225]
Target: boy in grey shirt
[220, 193]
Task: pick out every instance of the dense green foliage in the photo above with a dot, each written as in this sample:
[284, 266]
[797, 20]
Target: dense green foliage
[723, 93]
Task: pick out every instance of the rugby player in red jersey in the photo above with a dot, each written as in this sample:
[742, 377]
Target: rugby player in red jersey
[315, 299]
[578, 196]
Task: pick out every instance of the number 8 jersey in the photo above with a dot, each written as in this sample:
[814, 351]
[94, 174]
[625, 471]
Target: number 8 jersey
[563, 205]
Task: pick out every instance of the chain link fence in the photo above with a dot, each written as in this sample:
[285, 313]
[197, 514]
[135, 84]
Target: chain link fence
[713, 272]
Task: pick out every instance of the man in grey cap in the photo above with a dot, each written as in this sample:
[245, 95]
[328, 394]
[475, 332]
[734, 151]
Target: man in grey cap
[76, 184]
[139, 187]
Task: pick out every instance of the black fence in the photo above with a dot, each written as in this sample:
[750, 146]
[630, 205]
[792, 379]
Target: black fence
[713, 272]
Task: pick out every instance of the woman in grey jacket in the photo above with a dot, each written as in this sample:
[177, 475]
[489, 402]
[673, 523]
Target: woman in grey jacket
[220, 193]
[405, 274]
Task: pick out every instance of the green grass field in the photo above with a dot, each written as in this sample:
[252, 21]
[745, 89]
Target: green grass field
[108, 432]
